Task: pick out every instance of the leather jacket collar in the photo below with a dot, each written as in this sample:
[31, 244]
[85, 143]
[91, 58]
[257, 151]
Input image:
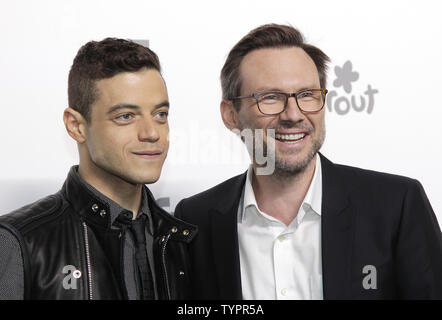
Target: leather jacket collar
[95, 211]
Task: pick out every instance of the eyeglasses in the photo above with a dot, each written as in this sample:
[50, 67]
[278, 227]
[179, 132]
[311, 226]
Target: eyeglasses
[275, 102]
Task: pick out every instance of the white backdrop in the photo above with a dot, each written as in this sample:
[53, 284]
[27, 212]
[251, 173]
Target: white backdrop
[394, 48]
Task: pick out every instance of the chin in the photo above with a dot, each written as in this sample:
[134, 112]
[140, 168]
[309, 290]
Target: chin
[146, 174]
[292, 166]
[289, 168]
[148, 179]
[151, 180]
[144, 178]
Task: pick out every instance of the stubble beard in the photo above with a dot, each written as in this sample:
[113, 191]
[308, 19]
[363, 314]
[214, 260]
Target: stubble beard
[284, 168]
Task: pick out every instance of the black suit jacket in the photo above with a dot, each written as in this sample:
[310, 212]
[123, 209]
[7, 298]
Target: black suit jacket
[368, 218]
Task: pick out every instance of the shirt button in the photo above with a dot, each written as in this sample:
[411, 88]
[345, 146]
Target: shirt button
[282, 237]
[284, 292]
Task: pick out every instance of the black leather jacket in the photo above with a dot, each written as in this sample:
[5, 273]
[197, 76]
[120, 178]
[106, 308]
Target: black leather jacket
[67, 229]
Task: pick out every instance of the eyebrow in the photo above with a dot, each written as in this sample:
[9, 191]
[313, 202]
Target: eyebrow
[135, 107]
[264, 89]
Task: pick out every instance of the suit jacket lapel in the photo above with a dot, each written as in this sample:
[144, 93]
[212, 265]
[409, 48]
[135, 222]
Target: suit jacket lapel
[337, 233]
[225, 247]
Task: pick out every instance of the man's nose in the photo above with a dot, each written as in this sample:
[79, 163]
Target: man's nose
[147, 130]
[292, 111]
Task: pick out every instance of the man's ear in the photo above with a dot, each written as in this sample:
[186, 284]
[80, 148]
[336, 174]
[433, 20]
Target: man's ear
[229, 115]
[75, 125]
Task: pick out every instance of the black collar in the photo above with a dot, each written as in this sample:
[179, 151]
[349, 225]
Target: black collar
[90, 207]
[94, 210]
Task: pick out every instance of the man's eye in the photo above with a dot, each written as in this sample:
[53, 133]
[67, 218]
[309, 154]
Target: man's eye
[269, 97]
[125, 117]
[305, 94]
[163, 114]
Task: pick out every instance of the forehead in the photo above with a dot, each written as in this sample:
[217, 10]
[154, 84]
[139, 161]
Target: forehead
[278, 68]
[144, 87]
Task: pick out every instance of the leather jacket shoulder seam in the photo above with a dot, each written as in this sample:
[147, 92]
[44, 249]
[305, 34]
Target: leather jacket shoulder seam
[45, 217]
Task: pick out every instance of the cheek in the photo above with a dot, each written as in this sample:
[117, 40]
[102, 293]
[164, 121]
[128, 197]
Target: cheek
[107, 144]
[254, 121]
[165, 145]
[163, 131]
[318, 123]
[246, 118]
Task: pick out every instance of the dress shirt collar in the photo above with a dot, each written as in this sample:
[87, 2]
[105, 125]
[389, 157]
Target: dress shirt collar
[312, 200]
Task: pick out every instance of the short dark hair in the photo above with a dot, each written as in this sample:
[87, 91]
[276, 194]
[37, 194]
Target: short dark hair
[267, 36]
[98, 60]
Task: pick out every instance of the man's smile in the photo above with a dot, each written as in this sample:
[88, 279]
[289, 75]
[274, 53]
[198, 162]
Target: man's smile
[292, 137]
[148, 154]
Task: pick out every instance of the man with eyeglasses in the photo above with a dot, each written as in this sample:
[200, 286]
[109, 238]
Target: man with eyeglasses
[311, 229]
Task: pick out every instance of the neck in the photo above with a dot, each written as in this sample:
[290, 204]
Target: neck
[126, 194]
[280, 195]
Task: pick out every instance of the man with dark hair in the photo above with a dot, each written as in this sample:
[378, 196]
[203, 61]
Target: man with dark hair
[102, 236]
[310, 229]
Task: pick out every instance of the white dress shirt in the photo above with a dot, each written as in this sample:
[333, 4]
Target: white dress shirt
[279, 261]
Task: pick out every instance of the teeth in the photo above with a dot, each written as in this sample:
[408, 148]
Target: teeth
[290, 136]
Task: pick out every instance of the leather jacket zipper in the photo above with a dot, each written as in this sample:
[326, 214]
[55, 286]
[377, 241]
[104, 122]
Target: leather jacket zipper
[164, 241]
[88, 260]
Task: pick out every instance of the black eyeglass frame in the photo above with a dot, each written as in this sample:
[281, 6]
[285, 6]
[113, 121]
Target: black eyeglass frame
[287, 96]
